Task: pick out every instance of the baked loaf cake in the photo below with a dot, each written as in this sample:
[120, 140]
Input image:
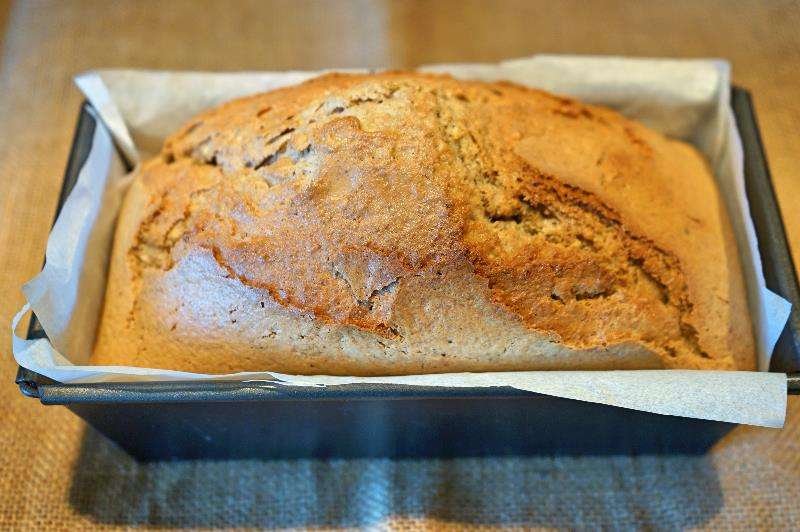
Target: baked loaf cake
[403, 223]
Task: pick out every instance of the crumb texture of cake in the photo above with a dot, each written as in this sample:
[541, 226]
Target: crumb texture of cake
[404, 223]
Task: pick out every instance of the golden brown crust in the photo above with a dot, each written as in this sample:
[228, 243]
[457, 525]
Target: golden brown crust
[408, 223]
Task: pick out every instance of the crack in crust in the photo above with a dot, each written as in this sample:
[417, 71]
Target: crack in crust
[359, 316]
[156, 251]
[544, 208]
[153, 247]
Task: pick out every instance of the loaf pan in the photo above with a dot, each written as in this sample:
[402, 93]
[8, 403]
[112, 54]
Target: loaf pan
[180, 420]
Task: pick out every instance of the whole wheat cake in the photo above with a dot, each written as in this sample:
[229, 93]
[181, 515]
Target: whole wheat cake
[403, 223]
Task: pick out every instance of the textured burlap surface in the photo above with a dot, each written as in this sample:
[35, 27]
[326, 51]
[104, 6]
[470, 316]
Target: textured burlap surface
[57, 474]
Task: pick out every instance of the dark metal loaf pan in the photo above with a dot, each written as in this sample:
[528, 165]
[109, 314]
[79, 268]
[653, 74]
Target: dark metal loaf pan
[239, 419]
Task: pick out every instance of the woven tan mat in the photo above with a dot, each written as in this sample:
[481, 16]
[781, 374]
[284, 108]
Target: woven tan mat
[57, 474]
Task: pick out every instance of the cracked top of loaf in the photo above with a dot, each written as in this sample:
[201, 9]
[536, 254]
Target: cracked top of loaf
[402, 223]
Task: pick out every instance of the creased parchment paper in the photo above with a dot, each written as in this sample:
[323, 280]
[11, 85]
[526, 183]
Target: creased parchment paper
[687, 99]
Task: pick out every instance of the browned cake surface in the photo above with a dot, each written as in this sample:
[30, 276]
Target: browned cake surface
[406, 223]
